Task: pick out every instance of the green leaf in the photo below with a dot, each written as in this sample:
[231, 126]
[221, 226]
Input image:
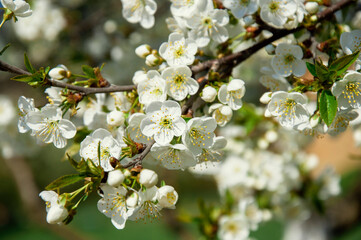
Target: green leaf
[341, 64]
[328, 107]
[322, 71]
[23, 78]
[64, 181]
[4, 49]
[88, 71]
[28, 65]
[311, 68]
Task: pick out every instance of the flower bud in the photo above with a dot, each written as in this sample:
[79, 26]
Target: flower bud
[271, 136]
[167, 197]
[59, 73]
[209, 94]
[115, 118]
[262, 143]
[139, 76]
[270, 49]
[314, 120]
[115, 178]
[132, 200]
[127, 173]
[313, 18]
[143, 50]
[311, 7]
[56, 214]
[148, 178]
[151, 60]
[266, 98]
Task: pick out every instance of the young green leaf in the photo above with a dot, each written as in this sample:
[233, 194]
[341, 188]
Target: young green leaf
[23, 78]
[311, 68]
[341, 64]
[28, 65]
[64, 181]
[88, 71]
[4, 49]
[328, 107]
[322, 71]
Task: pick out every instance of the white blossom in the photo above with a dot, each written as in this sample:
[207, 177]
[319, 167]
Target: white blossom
[147, 206]
[351, 42]
[208, 23]
[49, 126]
[341, 121]
[179, 82]
[115, 178]
[101, 141]
[311, 7]
[183, 8]
[273, 81]
[222, 113]
[94, 117]
[134, 131]
[199, 134]
[178, 50]
[7, 112]
[232, 94]
[167, 197]
[289, 108]
[57, 213]
[26, 105]
[141, 11]
[139, 76]
[276, 12]
[175, 156]
[152, 89]
[121, 102]
[288, 60]
[115, 118]
[163, 121]
[54, 95]
[213, 153]
[240, 8]
[233, 227]
[59, 73]
[143, 50]
[113, 205]
[330, 184]
[19, 8]
[348, 91]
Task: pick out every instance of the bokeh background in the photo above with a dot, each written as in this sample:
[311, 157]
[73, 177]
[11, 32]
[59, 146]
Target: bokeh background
[77, 32]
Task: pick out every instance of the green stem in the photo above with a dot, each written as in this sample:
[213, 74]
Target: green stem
[134, 104]
[76, 192]
[2, 22]
[78, 75]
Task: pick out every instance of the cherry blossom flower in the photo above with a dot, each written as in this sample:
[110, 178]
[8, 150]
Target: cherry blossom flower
[199, 134]
[26, 105]
[167, 197]
[100, 141]
[19, 8]
[233, 227]
[113, 205]
[178, 50]
[232, 94]
[273, 81]
[183, 8]
[152, 89]
[148, 178]
[57, 213]
[276, 12]
[7, 112]
[351, 42]
[222, 113]
[94, 117]
[289, 108]
[147, 208]
[213, 153]
[134, 131]
[173, 157]
[179, 82]
[163, 121]
[208, 23]
[240, 8]
[49, 126]
[141, 11]
[209, 94]
[348, 91]
[341, 121]
[288, 60]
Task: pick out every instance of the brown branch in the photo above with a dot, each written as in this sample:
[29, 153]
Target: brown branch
[238, 57]
[140, 158]
[84, 90]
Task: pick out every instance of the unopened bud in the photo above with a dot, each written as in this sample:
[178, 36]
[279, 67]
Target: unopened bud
[115, 118]
[59, 73]
[132, 200]
[127, 173]
[152, 60]
[314, 120]
[56, 214]
[115, 178]
[209, 94]
[271, 136]
[148, 178]
[313, 18]
[311, 7]
[143, 50]
[270, 49]
[266, 98]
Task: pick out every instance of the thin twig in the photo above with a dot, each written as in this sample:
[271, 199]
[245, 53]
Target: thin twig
[140, 158]
[84, 90]
[238, 57]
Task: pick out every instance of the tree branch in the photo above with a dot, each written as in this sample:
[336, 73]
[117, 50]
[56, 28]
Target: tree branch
[84, 90]
[238, 57]
[140, 158]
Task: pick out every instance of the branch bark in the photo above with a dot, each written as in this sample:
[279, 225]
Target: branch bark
[238, 57]
[140, 158]
[84, 90]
